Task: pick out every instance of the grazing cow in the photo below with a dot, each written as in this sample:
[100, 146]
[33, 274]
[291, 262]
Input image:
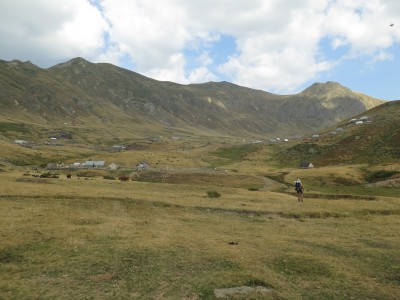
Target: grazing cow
[69, 176]
[124, 178]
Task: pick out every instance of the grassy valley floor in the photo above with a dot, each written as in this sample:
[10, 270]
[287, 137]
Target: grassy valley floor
[104, 239]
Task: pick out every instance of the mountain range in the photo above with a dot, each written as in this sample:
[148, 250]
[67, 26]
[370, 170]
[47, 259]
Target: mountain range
[85, 98]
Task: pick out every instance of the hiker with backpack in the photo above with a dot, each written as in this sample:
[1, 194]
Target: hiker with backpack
[299, 189]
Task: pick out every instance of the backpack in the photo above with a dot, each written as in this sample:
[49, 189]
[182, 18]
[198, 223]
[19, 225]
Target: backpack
[297, 186]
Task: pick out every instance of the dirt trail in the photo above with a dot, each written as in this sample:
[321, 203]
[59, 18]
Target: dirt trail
[270, 184]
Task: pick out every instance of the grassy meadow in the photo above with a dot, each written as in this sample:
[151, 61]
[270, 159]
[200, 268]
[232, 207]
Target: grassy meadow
[160, 236]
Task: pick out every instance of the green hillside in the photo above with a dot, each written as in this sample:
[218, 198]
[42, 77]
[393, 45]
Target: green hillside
[376, 140]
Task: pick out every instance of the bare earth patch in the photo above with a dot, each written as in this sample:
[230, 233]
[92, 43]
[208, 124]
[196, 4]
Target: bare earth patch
[395, 182]
[240, 291]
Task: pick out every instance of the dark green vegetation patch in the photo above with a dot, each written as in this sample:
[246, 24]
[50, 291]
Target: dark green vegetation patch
[380, 175]
[213, 194]
[10, 255]
[233, 154]
[16, 127]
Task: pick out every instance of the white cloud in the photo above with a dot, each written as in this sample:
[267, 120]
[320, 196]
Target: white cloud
[278, 41]
[151, 32]
[45, 31]
[171, 70]
[362, 25]
[200, 75]
[382, 56]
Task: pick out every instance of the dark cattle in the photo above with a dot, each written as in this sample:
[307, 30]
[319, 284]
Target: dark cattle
[124, 178]
[69, 176]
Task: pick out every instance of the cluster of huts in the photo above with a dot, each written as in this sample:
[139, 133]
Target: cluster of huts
[278, 140]
[361, 121]
[95, 164]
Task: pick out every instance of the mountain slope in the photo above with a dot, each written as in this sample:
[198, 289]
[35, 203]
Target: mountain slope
[221, 107]
[376, 140]
[324, 104]
[117, 102]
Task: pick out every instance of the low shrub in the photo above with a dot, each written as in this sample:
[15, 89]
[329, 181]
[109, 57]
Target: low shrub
[49, 175]
[256, 282]
[253, 189]
[213, 194]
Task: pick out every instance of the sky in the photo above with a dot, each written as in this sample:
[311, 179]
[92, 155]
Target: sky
[279, 46]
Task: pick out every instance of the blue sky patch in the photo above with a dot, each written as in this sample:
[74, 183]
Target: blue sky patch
[361, 75]
[218, 51]
[327, 52]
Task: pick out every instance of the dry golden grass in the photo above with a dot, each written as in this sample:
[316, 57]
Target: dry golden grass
[107, 239]
[347, 171]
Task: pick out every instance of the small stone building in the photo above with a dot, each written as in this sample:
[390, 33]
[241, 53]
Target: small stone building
[306, 165]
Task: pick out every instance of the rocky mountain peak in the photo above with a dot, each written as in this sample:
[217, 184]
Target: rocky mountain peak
[78, 61]
[17, 64]
[329, 89]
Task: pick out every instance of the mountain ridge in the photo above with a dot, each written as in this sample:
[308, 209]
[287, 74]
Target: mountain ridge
[101, 95]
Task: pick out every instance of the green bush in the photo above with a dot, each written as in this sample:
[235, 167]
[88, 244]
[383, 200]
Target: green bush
[49, 175]
[253, 189]
[256, 282]
[86, 174]
[213, 194]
